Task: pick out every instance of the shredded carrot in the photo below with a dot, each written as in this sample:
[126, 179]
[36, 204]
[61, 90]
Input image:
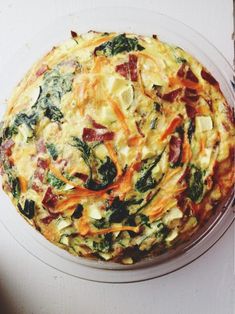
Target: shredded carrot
[203, 110]
[113, 156]
[202, 143]
[99, 61]
[120, 115]
[83, 225]
[171, 128]
[187, 153]
[134, 140]
[23, 184]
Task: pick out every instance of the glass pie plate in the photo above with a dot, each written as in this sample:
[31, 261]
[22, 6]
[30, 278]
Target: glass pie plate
[121, 20]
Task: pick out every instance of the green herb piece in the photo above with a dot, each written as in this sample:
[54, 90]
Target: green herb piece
[163, 230]
[54, 181]
[180, 60]
[144, 220]
[105, 245]
[118, 44]
[157, 106]
[153, 124]
[12, 180]
[55, 85]
[52, 151]
[53, 113]
[107, 173]
[28, 209]
[146, 181]
[195, 184]
[102, 173]
[77, 212]
[29, 120]
[83, 147]
[191, 130]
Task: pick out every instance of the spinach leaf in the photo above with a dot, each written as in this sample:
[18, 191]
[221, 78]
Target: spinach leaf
[119, 210]
[153, 124]
[54, 181]
[146, 181]
[107, 173]
[191, 130]
[83, 147]
[52, 150]
[55, 85]
[195, 184]
[118, 44]
[53, 113]
[28, 120]
[105, 245]
[163, 230]
[9, 131]
[12, 180]
[77, 212]
[28, 209]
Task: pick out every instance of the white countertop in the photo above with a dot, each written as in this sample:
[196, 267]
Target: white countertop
[207, 286]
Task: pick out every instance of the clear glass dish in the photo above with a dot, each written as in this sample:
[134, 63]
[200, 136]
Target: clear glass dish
[120, 20]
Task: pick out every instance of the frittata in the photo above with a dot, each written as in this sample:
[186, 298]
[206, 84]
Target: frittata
[117, 146]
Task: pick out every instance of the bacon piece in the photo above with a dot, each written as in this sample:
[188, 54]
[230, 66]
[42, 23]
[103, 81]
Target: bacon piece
[81, 176]
[7, 146]
[36, 187]
[208, 77]
[128, 69]
[191, 76]
[95, 124]
[171, 96]
[41, 147]
[175, 149]
[133, 67]
[191, 110]
[123, 69]
[49, 199]
[42, 163]
[49, 219]
[73, 34]
[181, 71]
[91, 135]
[190, 94]
[42, 70]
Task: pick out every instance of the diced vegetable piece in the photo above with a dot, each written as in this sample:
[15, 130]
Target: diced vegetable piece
[172, 214]
[203, 123]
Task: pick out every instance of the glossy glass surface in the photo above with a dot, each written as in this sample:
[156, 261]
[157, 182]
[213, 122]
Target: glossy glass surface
[141, 22]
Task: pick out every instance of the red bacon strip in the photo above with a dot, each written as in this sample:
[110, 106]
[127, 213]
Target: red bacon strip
[91, 135]
[49, 219]
[129, 69]
[191, 76]
[49, 199]
[208, 77]
[171, 96]
[175, 149]
[7, 146]
[42, 70]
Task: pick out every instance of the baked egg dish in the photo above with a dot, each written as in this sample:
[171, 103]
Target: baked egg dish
[117, 146]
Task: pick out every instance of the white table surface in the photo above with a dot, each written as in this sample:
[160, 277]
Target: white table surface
[206, 286]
